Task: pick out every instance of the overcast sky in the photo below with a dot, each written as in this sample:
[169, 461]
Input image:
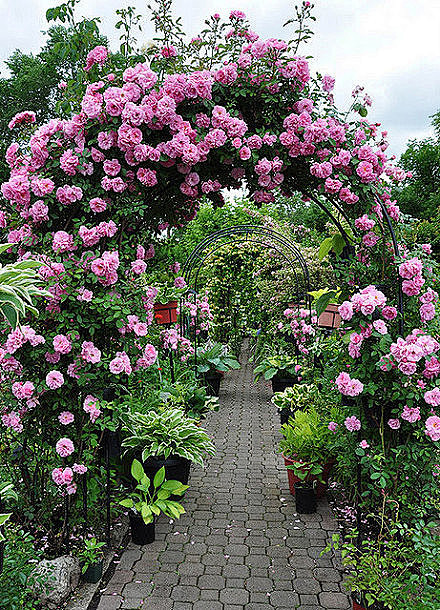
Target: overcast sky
[392, 47]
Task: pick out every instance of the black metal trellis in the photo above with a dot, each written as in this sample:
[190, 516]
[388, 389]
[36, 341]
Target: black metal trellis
[239, 234]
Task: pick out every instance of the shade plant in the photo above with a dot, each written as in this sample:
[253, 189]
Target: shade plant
[149, 501]
[167, 433]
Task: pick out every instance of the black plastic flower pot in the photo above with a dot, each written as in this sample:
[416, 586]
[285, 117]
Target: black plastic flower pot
[93, 573]
[176, 468]
[141, 532]
[212, 382]
[284, 415]
[279, 384]
[305, 498]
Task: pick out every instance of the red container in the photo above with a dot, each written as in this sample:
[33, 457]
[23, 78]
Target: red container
[357, 605]
[165, 313]
[321, 488]
[330, 317]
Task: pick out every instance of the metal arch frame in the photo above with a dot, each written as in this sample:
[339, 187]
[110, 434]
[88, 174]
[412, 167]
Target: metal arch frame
[254, 241]
[239, 234]
[246, 231]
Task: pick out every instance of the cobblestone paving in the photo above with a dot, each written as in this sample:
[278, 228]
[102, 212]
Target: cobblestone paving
[240, 545]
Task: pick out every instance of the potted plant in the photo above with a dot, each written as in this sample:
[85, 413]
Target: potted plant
[166, 438]
[213, 360]
[280, 369]
[170, 287]
[305, 497]
[189, 396]
[307, 449]
[295, 397]
[148, 500]
[91, 558]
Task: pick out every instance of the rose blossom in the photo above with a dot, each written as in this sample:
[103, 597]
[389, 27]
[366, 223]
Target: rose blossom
[410, 414]
[97, 205]
[363, 444]
[54, 380]
[62, 344]
[57, 476]
[394, 424]
[64, 447]
[346, 310]
[432, 397]
[79, 468]
[66, 418]
[432, 426]
[352, 423]
[332, 426]
[138, 266]
[380, 326]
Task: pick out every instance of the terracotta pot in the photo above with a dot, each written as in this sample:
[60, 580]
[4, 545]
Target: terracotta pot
[165, 313]
[321, 488]
[357, 606]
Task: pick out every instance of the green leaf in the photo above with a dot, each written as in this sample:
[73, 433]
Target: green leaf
[127, 503]
[159, 477]
[4, 518]
[338, 243]
[321, 304]
[137, 471]
[10, 314]
[270, 373]
[325, 248]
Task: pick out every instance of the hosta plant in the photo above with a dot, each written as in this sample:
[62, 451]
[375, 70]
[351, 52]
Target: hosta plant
[215, 357]
[167, 433]
[297, 397]
[20, 284]
[276, 366]
[151, 498]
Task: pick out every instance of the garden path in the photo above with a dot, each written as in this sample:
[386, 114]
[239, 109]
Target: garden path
[240, 545]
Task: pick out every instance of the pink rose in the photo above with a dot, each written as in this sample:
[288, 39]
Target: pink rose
[66, 418]
[54, 380]
[394, 424]
[62, 344]
[352, 424]
[432, 426]
[64, 447]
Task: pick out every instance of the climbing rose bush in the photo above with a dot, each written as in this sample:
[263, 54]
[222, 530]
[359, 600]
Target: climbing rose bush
[87, 193]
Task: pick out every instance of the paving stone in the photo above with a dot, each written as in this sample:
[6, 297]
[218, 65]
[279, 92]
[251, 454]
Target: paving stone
[133, 603]
[209, 581]
[187, 593]
[259, 584]
[240, 545]
[213, 605]
[334, 601]
[234, 596]
[281, 599]
[109, 602]
[158, 603]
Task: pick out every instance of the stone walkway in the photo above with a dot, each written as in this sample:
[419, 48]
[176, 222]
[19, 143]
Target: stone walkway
[240, 544]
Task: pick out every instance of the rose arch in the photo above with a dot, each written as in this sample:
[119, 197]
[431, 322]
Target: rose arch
[87, 193]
